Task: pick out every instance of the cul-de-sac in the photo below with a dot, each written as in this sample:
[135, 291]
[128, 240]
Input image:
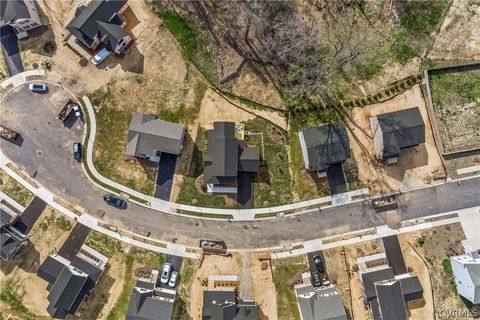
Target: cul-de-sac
[240, 159]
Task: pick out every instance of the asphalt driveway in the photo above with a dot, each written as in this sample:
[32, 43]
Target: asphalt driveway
[74, 242]
[29, 217]
[336, 179]
[166, 171]
[10, 50]
[245, 192]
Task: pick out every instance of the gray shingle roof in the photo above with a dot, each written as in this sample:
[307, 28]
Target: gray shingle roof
[66, 288]
[324, 304]
[226, 155]
[7, 216]
[369, 279]
[11, 10]
[222, 305]
[147, 134]
[11, 240]
[84, 26]
[411, 288]
[144, 305]
[401, 129]
[390, 301]
[324, 145]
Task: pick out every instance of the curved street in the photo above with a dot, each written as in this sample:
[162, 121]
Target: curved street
[46, 154]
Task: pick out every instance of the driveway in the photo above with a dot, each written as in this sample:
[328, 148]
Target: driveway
[336, 179]
[166, 171]
[393, 251]
[10, 50]
[29, 217]
[74, 242]
[311, 263]
[176, 263]
[47, 150]
[245, 193]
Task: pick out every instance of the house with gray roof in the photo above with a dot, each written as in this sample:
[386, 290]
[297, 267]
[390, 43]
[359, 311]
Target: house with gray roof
[221, 304]
[100, 23]
[22, 15]
[71, 282]
[226, 156]
[149, 136]
[324, 304]
[394, 131]
[324, 146]
[11, 242]
[149, 301]
[466, 271]
[388, 294]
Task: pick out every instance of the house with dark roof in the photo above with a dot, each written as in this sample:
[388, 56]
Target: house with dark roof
[226, 156]
[149, 301]
[221, 304]
[22, 15]
[101, 23]
[149, 136]
[11, 239]
[71, 282]
[466, 272]
[394, 131]
[324, 304]
[387, 294]
[324, 146]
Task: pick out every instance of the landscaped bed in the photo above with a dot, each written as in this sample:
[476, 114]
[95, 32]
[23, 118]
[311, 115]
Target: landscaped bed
[456, 101]
[14, 190]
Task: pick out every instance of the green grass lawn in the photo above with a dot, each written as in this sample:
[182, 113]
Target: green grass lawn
[278, 191]
[284, 271]
[12, 296]
[14, 190]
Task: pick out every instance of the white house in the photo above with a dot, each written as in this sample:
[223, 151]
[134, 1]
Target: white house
[20, 14]
[466, 270]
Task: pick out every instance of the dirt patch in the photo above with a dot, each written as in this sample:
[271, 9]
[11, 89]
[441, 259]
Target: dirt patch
[416, 166]
[264, 292]
[45, 238]
[459, 37]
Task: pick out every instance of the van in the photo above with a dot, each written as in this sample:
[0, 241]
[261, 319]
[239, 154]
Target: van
[100, 56]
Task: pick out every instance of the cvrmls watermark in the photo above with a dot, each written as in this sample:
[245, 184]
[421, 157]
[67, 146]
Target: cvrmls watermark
[456, 313]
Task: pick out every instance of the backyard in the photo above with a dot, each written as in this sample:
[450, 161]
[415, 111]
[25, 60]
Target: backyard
[287, 273]
[456, 101]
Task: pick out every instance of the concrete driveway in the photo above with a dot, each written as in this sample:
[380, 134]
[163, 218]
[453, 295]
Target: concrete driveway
[46, 154]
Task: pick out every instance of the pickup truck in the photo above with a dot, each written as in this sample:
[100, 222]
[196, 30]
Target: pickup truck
[8, 133]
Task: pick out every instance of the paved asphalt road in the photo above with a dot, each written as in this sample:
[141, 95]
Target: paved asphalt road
[34, 116]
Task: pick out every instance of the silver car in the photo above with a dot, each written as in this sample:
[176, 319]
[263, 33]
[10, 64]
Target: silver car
[173, 279]
[167, 269]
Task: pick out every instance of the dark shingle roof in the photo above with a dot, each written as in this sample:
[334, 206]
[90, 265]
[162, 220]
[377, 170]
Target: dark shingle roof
[10, 242]
[222, 305]
[144, 305]
[390, 301]
[325, 145]
[11, 10]
[226, 155]
[50, 269]
[401, 129]
[66, 289]
[411, 288]
[85, 27]
[324, 304]
[369, 279]
[147, 134]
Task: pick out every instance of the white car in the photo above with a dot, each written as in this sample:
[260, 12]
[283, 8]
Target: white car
[78, 112]
[37, 87]
[100, 56]
[167, 269]
[173, 279]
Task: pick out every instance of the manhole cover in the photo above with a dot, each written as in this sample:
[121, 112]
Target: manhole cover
[39, 152]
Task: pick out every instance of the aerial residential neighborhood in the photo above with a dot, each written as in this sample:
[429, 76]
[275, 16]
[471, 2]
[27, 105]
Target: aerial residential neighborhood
[240, 160]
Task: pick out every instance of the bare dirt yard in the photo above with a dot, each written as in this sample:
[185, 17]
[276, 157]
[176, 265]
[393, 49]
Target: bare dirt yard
[24, 295]
[263, 289]
[416, 166]
[434, 246]
[459, 36]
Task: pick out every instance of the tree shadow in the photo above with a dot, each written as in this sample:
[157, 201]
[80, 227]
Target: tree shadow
[28, 259]
[132, 60]
[186, 159]
[18, 141]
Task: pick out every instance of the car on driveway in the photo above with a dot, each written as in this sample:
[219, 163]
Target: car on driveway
[319, 264]
[100, 56]
[173, 279]
[37, 87]
[77, 151]
[167, 269]
[115, 201]
[316, 279]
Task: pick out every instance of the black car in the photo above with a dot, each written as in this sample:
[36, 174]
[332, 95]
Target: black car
[319, 264]
[77, 151]
[316, 279]
[115, 201]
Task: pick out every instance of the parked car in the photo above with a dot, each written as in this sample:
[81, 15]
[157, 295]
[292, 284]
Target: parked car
[78, 111]
[316, 279]
[100, 56]
[167, 269]
[173, 279]
[77, 151]
[38, 87]
[115, 201]
[319, 264]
